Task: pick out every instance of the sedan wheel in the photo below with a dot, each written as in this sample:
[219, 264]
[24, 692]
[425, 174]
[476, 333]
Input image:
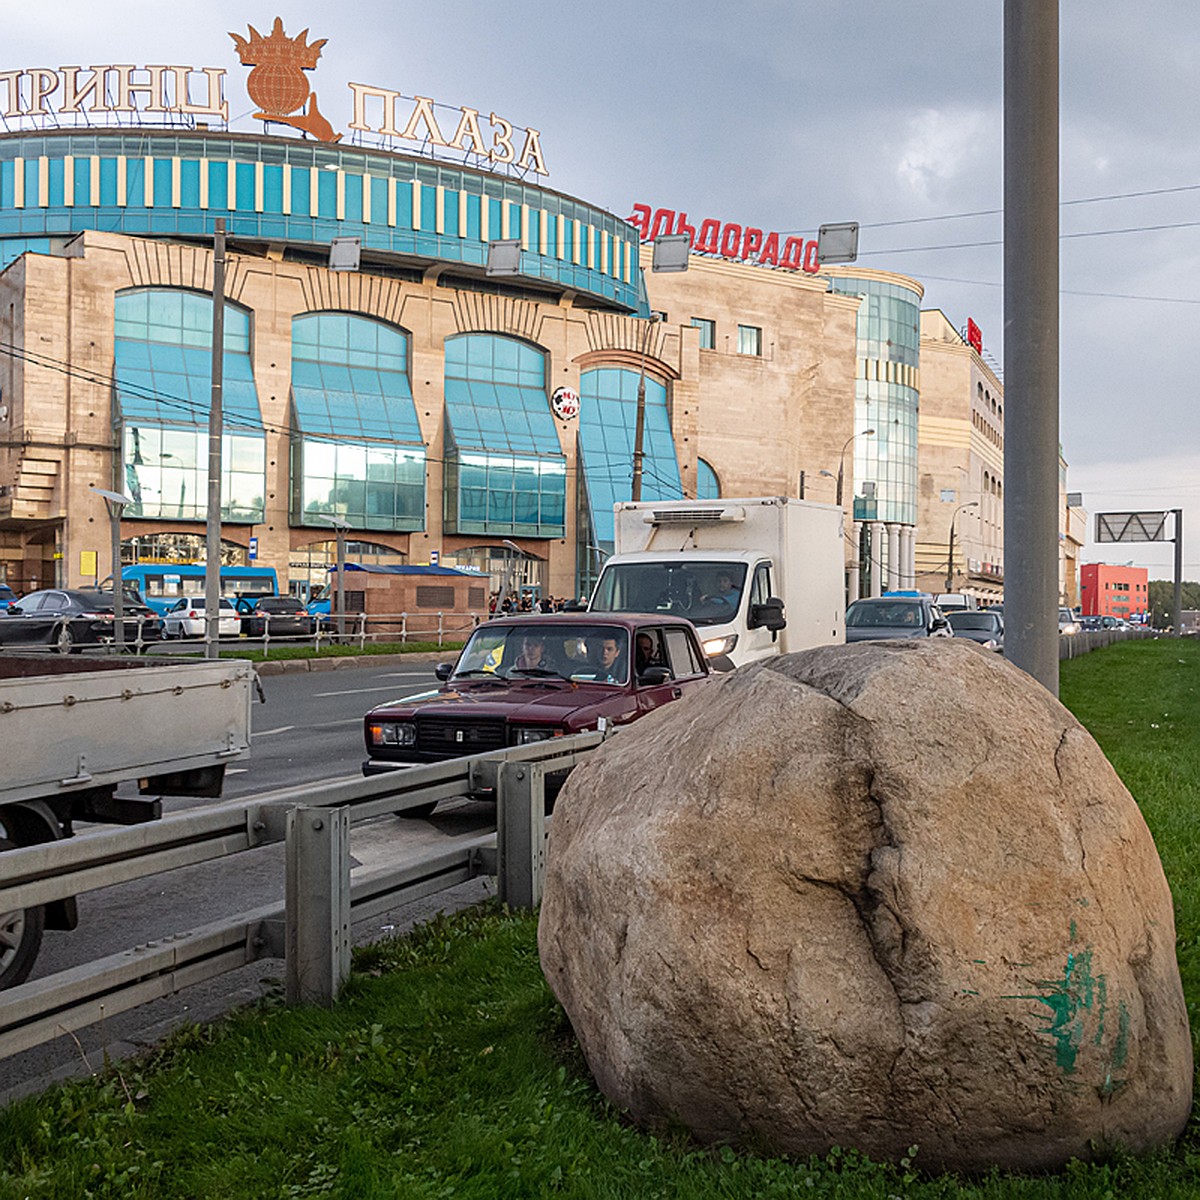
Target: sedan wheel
[20, 935]
[63, 640]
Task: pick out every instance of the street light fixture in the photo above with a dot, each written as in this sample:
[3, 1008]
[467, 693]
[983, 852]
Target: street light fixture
[841, 475]
[115, 502]
[340, 529]
[950, 555]
[509, 575]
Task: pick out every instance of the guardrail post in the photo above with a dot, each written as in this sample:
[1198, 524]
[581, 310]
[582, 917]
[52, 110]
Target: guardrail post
[521, 833]
[318, 904]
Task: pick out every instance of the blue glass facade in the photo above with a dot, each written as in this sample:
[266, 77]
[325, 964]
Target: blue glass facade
[607, 430]
[163, 396]
[161, 183]
[505, 470]
[886, 397]
[357, 452]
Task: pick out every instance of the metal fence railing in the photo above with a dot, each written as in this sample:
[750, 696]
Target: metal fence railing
[190, 634]
[311, 929]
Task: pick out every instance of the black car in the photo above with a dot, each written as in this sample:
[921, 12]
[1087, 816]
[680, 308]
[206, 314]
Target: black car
[280, 616]
[982, 626]
[895, 616]
[69, 619]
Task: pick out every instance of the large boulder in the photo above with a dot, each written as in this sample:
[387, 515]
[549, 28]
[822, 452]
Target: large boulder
[870, 896]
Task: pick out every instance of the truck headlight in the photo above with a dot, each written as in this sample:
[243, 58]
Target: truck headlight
[393, 733]
[526, 736]
[715, 647]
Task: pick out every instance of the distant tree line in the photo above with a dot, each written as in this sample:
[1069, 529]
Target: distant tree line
[1162, 599]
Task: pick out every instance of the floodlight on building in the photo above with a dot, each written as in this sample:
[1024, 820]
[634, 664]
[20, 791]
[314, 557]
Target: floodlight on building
[837, 243]
[345, 253]
[672, 252]
[504, 257]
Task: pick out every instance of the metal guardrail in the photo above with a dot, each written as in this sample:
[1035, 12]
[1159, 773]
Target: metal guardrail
[311, 930]
[1072, 645]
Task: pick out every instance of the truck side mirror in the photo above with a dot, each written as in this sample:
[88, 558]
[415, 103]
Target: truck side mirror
[443, 671]
[768, 615]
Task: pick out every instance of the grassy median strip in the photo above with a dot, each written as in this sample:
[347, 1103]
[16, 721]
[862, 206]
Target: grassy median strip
[279, 651]
[448, 1070]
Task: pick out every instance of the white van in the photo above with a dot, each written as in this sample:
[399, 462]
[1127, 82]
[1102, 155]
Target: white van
[955, 601]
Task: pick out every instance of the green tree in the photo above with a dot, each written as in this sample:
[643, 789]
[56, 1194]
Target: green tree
[1162, 599]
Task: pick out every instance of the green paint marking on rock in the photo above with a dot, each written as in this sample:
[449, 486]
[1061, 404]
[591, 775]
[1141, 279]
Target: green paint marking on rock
[1068, 999]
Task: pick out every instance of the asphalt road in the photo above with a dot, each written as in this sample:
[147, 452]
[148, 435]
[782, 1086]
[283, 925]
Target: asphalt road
[308, 731]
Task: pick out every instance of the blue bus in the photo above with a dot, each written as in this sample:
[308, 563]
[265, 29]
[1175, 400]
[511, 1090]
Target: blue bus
[161, 584]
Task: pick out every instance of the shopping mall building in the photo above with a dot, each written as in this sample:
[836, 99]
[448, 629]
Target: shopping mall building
[439, 412]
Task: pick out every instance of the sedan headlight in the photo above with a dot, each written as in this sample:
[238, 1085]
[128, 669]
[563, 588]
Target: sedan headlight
[717, 646]
[532, 734]
[991, 644]
[393, 733]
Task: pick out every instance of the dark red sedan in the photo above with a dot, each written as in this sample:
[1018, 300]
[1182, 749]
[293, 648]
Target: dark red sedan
[526, 679]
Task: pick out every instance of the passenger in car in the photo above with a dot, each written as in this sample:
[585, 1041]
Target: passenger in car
[649, 652]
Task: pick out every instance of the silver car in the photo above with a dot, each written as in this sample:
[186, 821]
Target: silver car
[185, 619]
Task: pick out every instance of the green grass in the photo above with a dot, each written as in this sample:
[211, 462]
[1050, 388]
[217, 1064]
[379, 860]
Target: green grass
[448, 1070]
[280, 652]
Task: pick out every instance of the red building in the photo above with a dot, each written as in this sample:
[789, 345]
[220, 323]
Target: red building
[1108, 591]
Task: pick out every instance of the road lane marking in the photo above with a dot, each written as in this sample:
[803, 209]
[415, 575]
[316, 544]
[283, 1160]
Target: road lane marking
[269, 732]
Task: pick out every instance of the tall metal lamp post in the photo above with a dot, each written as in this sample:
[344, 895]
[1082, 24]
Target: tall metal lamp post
[950, 555]
[841, 475]
[115, 502]
[340, 529]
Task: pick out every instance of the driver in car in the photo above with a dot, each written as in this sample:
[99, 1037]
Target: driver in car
[725, 594]
[533, 653]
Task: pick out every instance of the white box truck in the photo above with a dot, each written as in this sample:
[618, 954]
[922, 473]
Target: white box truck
[757, 577]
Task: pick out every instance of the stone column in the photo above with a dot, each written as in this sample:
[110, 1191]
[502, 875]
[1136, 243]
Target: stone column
[908, 556]
[893, 556]
[852, 588]
[877, 556]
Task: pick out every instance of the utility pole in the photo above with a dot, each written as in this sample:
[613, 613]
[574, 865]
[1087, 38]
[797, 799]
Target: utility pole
[1031, 280]
[639, 428]
[212, 569]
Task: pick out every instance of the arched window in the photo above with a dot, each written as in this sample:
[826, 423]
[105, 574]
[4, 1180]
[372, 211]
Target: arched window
[505, 469]
[163, 372]
[357, 450]
[708, 486]
[607, 433]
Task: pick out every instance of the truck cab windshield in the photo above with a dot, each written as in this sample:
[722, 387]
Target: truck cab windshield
[706, 593]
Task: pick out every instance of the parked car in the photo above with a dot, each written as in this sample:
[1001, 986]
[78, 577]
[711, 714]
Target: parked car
[68, 619]
[1089, 623]
[527, 679]
[986, 628]
[7, 595]
[1067, 622]
[895, 617]
[185, 618]
[280, 616]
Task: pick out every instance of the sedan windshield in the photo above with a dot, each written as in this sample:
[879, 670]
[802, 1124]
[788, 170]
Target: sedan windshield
[546, 651]
[876, 614]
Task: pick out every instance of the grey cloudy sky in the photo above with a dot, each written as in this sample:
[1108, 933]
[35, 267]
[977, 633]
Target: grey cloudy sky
[786, 114]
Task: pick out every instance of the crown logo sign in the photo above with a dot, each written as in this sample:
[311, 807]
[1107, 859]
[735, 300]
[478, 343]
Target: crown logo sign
[277, 83]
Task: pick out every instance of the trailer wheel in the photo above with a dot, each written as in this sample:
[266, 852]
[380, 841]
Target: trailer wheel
[20, 932]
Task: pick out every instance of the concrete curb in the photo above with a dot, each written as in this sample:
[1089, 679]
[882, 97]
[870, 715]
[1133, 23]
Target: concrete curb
[289, 666]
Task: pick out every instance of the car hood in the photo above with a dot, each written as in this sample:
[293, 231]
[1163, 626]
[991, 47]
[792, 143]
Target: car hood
[979, 635]
[533, 701]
